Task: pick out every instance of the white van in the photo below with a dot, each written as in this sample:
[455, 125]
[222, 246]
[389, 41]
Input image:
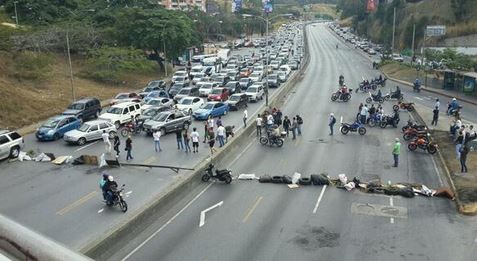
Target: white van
[285, 68]
[121, 113]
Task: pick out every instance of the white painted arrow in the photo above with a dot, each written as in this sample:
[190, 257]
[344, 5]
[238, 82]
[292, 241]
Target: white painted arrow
[202, 213]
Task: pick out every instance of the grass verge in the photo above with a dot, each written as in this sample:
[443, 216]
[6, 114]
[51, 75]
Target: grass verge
[465, 184]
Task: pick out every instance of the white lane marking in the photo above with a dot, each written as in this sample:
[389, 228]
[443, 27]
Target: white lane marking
[391, 203]
[100, 211]
[319, 199]
[127, 194]
[167, 223]
[341, 119]
[202, 213]
[84, 147]
[419, 98]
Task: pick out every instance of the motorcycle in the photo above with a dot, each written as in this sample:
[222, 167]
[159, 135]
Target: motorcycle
[372, 98]
[423, 144]
[393, 95]
[409, 106]
[414, 125]
[389, 120]
[354, 127]
[413, 133]
[379, 82]
[374, 120]
[455, 112]
[341, 96]
[366, 87]
[416, 87]
[130, 128]
[221, 175]
[118, 199]
[271, 140]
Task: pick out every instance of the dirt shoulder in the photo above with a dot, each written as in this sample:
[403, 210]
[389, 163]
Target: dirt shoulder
[24, 102]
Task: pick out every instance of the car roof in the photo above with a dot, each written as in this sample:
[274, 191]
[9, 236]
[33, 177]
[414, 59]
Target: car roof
[93, 122]
[60, 117]
[86, 99]
[124, 104]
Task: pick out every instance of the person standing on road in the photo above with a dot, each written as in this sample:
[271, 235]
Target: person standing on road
[219, 121]
[206, 130]
[435, 116]
[463, 158]
[186, 141]
[269, 121]
[363, 113]
[458, 144]
[116, 143]
[180, 144]
[286, 124]
[437, 104]
[195, 140]
[299, 122]
[294, 126]
[331, 123]
[129, 148]
[210, 122]
[258, 121]
[157, 140]
[245, 117]
[211, 140]
[229, 132]
[396, 152]
[107, 143]
[221, 135]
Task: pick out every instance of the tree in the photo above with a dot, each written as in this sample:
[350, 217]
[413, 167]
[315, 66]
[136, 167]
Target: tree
[153, 29]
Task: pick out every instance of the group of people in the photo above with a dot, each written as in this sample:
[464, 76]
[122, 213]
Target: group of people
[215, 130]
[365, 113]
[272, 121]
[462, 136]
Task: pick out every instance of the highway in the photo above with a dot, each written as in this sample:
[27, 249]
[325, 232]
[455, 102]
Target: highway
[65, 202]
[273, 222]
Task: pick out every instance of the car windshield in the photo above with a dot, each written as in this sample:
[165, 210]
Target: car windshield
[180, 79]
[180, 73]
[217, 79]
[272, 77]
[216, 91]
[209, 106]
[161, 117]
[51, 123]
[234, 98]
[186, 101]
[252, 89]
[76, 106]
[153, 102]
[122, 96]
[255, 75]
[244, 80]
[150, 112]
[84, 127]
[114, 110]
[184, 91]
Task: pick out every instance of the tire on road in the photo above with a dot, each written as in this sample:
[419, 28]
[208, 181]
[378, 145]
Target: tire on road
[369, 100]
[412, 147]
[362, 130]
[277, 179]
[344, 130]
[286, 179]
[263, 140]
[304, 181]
[265, 179]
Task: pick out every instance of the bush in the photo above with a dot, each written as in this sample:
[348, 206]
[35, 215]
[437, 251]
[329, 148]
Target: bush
[108, 64]
[31, 65]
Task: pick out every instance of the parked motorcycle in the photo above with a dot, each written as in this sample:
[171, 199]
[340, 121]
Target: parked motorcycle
[130, 128]
[118, 199]
[393, 95]
[373, 98]
[271, 140]
[341, 96]
[423, 144]
[390, 120]
[409, 106]
[221, 175]
[377, 81]
[366, 87]
[414, 125]
[374, 120]
[413, 133]
[354, 127]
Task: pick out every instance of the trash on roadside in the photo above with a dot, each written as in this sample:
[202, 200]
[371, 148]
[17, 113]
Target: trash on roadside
[23, 156]
[350, 186]
[86, 159]
[44, 157]
[102, 161]
[296, 177]
[343, 179]
[62, 159]
[247, 177]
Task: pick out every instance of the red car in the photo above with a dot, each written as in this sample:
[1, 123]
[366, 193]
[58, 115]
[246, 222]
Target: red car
[218, 94]
[126, 97]
[245, 72]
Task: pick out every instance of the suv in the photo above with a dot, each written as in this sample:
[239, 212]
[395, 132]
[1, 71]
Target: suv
[84, 109]
[168, 121]
[121, 113]
[10, 144]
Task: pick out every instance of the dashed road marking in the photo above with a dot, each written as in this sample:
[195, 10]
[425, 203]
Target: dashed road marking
[76, 204]
[250, 210]
[319, 199]
[391, 203]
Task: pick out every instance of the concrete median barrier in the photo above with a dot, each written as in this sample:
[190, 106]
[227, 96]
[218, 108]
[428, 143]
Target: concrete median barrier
[109, 243]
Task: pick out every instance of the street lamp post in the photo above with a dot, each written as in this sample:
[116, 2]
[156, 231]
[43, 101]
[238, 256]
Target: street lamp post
[16, 14]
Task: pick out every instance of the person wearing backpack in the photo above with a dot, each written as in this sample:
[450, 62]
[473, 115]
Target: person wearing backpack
[299, 122]
[331, 123]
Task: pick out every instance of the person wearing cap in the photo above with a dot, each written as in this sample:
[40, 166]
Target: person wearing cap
[396, 151]
[331, 123]
[109, 186]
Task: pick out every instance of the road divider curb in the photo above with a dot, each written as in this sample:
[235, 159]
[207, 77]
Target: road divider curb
[111, 242]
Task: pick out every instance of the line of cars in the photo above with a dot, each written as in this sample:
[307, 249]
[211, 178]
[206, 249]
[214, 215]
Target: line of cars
[242, 79]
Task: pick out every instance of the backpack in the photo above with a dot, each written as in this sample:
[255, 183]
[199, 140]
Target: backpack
[333, 121]
[299, 120]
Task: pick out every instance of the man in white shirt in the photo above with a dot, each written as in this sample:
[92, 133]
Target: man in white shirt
[245, 116]
[438, 104]
[210, 122]
[107, 143]
[269, 121]
[157, 140]
[259, 125]
[363, 114]
[221, 135]
[195, 140]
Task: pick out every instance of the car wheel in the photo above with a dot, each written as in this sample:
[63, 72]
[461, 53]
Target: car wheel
[14, 152]
[96, 115]
[117, 124]
[81, 141]
[112, 134]
[56, 136]
[225, 112]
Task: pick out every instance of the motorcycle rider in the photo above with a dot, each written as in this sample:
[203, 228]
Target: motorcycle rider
[341, 80]
[378, 95]
[397, 92]
[102, 182]
[453, 105]
[417, 84]
[343, 90]
[109, 187]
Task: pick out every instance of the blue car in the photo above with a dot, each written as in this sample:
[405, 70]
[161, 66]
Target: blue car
[56, 126]
[213, 109]
[156, 94]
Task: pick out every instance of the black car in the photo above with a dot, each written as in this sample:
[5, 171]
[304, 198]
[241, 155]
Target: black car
[237, 101]
[245, 83]
[233, 87]
[84, 108]
[176, 88]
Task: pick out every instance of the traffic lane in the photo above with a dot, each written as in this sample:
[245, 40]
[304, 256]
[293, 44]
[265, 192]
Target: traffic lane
[68, 205]
[277, 159]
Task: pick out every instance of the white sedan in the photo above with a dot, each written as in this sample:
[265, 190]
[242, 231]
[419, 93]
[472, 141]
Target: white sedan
[157, 102]
[190, 104]
[205, 88]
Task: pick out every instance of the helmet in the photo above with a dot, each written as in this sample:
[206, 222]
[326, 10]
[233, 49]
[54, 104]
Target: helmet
[454, 99]
[396, 139]
[105, 175]
[110, 178]
[332, 114]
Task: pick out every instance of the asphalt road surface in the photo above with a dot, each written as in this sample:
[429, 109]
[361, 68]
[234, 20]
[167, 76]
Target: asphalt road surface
[272, 222]
[65, 202]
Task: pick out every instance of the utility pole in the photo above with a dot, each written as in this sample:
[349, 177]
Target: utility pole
[394, 30]
[266, 63]
[413, 37]
[71, 67]
[16, 14]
